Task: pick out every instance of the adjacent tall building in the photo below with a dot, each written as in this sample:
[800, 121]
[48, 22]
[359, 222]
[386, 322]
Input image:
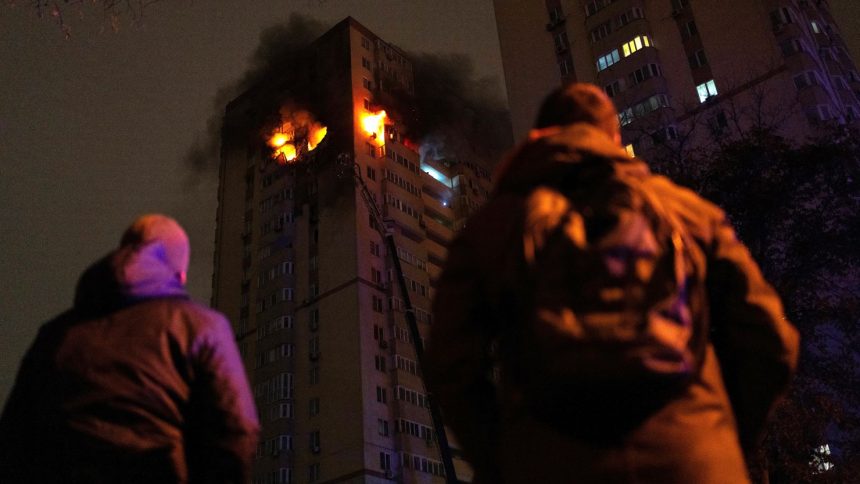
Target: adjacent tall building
[683, 72]
[302, 271]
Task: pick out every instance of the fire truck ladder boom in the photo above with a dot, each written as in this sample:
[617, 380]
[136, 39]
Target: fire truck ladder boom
[391, 248]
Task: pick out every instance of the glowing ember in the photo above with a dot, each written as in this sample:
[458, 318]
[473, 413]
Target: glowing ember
[286, 152]
[374, 125]
[298, 133]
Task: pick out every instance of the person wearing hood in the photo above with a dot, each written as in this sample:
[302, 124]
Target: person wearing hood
[519, 422]
[134, 383]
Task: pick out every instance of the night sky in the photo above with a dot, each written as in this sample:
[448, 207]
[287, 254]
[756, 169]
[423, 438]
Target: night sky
[94, 129]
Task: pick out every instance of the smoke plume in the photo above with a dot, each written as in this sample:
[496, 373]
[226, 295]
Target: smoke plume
[279, 46]
[454, 113]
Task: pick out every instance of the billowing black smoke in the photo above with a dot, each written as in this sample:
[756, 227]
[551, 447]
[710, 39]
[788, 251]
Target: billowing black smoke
[280, 45]
[454, 113]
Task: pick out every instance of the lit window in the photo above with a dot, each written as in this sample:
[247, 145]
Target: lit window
[638, 43]
[815, 27]
[630, 152]
[625, 117]
[607, 60]
[706, 90]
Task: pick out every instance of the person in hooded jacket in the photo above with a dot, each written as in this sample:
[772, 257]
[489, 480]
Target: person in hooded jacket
[135, 383]
[699, 435]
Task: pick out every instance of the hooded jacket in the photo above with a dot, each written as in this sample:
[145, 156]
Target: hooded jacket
[695, 437]
[136, 383]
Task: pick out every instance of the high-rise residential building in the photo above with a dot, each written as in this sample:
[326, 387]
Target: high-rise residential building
[682, 72]
[302, 270]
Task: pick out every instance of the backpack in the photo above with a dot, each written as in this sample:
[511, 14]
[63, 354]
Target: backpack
[607, 308]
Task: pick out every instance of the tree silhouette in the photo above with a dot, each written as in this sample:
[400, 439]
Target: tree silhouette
[797, 206]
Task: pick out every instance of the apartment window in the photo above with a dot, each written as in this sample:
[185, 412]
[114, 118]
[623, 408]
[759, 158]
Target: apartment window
[792, 46]
[379, 363]
[564, 67]
[689, 30]
[663, 135]
[365, 43]
[385, 461]
[697, 59]
[285, 442]
[561, 42]
[314, 472]
[678, 5]
[314, 347]
[595, 6]
[601, 31]
[381, 395]
[286, 267]
[625, 116]
[706, 90]
[613, 88]
[806, 79]
[371, 173]
[629, 16]
[314, 375]
[375, 275]
[779, 17]
[638, 43]
[556, 15]
[377, 303]
[382, 427]
[630, 151]
[643, 73]
[607, 60]
[374, 248]
[285, 475]
[313, 407]
[366, 63]
[366, 83]
[314, 319]
[283, 410]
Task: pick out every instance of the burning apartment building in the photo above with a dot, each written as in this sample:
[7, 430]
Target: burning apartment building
[313, 161]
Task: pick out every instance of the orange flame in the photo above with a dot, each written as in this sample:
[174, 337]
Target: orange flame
[315, 135]
[286, 139]
[374, 125]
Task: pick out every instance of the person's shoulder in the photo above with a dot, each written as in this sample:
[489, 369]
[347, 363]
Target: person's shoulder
[201, 310]
[699, 215]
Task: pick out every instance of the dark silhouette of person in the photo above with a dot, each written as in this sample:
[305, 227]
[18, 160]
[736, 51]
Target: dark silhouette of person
[134, 383]
[498, 321]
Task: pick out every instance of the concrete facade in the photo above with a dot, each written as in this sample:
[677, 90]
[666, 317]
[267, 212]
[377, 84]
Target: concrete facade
[303, 274]
[683, 73]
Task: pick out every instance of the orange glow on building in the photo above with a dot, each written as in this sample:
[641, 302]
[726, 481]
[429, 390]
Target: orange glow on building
[316, 135]
[374, 125]
[298, 132]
